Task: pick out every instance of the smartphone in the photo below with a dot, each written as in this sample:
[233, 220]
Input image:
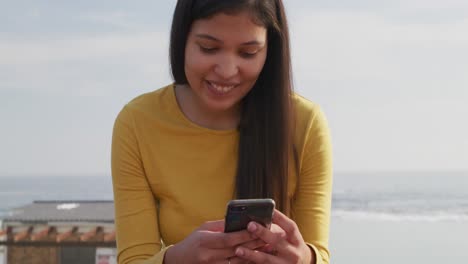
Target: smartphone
[240, 212]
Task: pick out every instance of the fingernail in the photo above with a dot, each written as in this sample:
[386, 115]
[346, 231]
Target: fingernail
[239, 252]
[252, 227]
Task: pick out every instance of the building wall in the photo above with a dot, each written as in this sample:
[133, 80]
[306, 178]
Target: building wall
[54, 255]
[77, 255]
[32, 255]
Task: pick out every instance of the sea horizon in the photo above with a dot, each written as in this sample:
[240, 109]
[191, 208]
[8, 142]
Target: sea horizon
[379, 196]
[385, 217]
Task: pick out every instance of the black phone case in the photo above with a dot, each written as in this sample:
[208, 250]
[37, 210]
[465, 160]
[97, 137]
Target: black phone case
[240, 212]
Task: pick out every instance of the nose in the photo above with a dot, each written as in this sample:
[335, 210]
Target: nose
[226, 67]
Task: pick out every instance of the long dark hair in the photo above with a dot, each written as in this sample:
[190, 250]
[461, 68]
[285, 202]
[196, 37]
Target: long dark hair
[265, 128]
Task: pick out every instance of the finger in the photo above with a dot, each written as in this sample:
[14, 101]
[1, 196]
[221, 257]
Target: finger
[267, 249]
[256, 256]
[289, 226]
[217, 240]
[236, 260]
[221, 256]
[214, 256]
[254, 244]
[214, 226]
[276, 240]
[276, 229]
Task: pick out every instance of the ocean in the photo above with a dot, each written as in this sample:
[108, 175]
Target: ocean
[17, 191]
[379, 217]
[426, 197]
[400, 217]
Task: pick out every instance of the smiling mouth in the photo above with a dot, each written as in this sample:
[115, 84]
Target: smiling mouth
[221, 89]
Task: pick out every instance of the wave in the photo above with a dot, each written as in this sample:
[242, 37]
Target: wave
[393, 217]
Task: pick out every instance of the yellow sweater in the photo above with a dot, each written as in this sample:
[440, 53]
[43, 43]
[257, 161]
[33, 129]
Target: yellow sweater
[171, 175]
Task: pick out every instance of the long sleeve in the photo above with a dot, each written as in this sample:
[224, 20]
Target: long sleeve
[161, 191]
[136, 219]
[312, 202]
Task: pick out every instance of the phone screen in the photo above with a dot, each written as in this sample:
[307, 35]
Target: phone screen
[241, 212]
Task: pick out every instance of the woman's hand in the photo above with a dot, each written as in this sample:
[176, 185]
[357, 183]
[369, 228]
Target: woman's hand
[282, 247]
[209, 244]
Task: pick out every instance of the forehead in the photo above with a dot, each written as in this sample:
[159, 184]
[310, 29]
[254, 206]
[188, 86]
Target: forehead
[230, 27]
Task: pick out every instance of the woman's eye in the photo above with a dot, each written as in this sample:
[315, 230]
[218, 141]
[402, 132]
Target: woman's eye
[208, 50]
[248, 54]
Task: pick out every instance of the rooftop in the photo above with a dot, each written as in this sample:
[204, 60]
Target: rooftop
[60, 223]
[63, 211]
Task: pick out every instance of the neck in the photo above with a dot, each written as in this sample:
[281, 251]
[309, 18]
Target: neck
[196, 111]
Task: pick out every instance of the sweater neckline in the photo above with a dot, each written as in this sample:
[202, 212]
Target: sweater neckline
[189, 122]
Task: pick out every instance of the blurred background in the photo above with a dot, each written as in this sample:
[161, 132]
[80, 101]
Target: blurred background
[391, 77]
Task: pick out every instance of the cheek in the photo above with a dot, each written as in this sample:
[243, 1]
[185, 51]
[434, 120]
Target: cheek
[254, 68]
[195, 63]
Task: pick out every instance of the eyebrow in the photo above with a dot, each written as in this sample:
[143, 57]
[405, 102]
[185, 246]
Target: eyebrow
[248, 43]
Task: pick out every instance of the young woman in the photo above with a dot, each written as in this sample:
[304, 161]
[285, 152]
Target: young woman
[229, 127]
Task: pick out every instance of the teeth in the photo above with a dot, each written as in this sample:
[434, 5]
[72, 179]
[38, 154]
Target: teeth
[222, 89]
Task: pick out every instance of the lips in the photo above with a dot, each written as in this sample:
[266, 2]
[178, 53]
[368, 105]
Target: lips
[221, 88]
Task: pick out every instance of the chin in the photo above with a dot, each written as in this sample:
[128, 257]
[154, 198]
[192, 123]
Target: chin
[221, 107]
[221, 103]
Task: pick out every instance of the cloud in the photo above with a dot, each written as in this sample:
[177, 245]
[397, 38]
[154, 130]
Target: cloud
[394, 92]
[378, 6]
[366, 48]
[432, 4]
[389, 85]
[398, 11]
[83, 64]
[125, 21]
[24, 51]
[118, 19]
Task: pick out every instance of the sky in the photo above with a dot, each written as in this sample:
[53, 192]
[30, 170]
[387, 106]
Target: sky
[391, 77]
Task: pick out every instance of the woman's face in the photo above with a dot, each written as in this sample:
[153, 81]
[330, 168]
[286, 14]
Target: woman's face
[224, 56]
